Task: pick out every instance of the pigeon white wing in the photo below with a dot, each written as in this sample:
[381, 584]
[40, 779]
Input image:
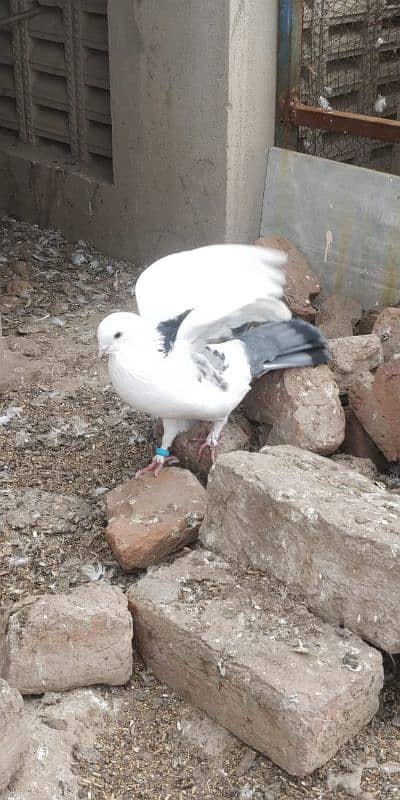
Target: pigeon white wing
[206, 331]
[217, 322]
[211, 275]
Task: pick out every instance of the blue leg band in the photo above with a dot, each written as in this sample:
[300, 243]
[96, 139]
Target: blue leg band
[161, 452]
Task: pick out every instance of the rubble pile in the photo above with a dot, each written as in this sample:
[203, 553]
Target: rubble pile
[263, 589]
[308, 518]
[325, 529]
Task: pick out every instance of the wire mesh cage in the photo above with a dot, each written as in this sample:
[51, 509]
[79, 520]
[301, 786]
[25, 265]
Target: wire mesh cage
[350, 62]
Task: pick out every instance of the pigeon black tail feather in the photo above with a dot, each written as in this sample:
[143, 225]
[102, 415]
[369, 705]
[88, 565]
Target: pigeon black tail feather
[283, 345]
[169, 330]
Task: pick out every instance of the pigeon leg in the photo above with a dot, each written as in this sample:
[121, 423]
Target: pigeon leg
[201, 438]
[212, 439]
[156, 465]
[162, 456]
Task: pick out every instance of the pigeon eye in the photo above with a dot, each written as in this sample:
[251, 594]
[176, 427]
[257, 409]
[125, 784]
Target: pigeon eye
[117, 335]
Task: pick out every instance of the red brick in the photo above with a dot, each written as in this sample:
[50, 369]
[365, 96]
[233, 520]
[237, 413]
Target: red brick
[64, 641]
[301, 283]
[338, 316]
[303, 407]
[365, 466]
[13, 733]
[150, 518]
[387, 325]
[351, 355]
[375, 399]
[238, 646]
[328, 532]
[357, 442]
[235, 436]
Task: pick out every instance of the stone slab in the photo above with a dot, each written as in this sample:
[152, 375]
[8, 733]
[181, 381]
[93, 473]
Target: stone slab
[13, 733]
[332, 535]
[65, 641]
[242, 649]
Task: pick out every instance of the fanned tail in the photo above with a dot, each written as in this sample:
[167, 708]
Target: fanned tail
[284, 345]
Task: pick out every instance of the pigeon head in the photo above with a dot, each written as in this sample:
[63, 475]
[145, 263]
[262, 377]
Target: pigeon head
[117, 329]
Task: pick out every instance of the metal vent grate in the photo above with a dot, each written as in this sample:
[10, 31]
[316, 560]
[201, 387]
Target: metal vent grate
[54, 81]
[8, 101]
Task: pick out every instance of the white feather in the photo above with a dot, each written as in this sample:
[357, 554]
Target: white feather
[218, 320]
[170, 387]
[194, 278]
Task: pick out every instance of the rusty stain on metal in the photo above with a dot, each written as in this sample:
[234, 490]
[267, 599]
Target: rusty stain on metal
[389, 294]
[342, 252]
[15, 18]
[386, 130]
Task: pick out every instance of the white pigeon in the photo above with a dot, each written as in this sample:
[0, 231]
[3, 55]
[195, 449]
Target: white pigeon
[211, 321]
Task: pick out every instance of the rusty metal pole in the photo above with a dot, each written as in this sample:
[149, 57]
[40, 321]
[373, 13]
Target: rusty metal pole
[290, 31]
[347, 122]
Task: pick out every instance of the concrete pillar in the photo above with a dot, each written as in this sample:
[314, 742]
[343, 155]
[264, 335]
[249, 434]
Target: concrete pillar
[193, 89]
[253, 26]
[169, 90]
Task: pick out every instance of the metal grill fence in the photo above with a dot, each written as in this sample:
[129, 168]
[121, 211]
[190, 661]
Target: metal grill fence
[350, 62]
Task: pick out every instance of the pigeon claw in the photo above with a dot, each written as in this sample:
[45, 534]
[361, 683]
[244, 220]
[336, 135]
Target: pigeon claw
[203, 447]
[200, 439]
[156, 466]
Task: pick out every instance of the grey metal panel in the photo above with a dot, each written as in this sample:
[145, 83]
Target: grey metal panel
[344, 219]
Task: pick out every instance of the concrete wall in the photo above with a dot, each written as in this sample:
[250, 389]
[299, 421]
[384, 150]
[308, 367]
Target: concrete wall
[192, 99]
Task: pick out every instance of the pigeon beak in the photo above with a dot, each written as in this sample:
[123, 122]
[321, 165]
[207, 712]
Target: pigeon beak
[102, 351]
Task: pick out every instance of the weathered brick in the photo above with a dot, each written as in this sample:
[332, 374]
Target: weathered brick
[357, 442]
[148, 519]
[387, 326]
[365, 466]
[338, 315]
[302, 405]
[13, 733]
[331, 534]
[235, 436]
[249, 654]
[368, 319]
[352, 355]
[65, 641]
[375, 399]
[301, 284]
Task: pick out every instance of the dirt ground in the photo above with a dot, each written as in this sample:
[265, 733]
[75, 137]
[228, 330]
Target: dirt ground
[64, 440]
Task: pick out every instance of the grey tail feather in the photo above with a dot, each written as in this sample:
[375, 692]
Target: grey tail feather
[282, 345]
